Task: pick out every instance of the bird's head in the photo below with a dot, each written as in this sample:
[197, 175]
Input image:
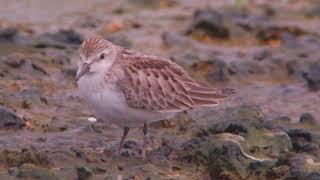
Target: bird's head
[96, 54]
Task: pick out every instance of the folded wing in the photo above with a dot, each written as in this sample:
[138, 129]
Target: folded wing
[157, 84]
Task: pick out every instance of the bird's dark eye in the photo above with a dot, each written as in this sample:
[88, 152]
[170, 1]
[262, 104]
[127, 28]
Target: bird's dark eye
[102, 56]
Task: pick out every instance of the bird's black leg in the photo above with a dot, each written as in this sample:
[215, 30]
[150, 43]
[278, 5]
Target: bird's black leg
[125, 133]
[145, 140]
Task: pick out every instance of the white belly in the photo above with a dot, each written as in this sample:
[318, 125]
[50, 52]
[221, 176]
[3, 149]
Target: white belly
[109, 104]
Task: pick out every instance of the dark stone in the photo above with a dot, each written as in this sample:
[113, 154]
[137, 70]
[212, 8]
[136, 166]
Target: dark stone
[99, 170]
[68, 36]
[225, 155]
[307, 118]
[210, 22]
[300, 138]
[131, 149]
[310, 147]
[313, 176]
[294, 67]
[130, 144]
[312, 76]
[170, 39]
[14, 63]
[236, 128]
[229, 127]
[13, 171]
[8, 34]
[163, 151]
[313, 11]
[59, 40]
[300, 133]
[299, 167]
[217, 70]
[9, 119]
[39, 69]
[84, 173]
[120, 39]
[190, 144]
[262, 54]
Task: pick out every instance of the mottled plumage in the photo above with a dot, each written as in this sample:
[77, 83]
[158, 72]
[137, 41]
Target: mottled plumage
[133, 89]
[158, 84]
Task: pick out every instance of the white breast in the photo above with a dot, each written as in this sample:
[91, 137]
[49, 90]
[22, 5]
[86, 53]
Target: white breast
[101, 96]
[109, 104]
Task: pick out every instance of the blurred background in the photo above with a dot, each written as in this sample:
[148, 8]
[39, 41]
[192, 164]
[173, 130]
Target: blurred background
[267, 50]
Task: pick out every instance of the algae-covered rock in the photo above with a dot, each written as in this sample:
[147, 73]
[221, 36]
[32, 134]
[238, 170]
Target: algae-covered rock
[30, 171]
[28, 155]
[226, 153]
[298, 166]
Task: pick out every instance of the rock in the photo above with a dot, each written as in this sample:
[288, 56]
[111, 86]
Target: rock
[312, 11]
[236, 120]
[268, 32]
[226, 153]
[300, 166]
[171, 39]
[269, 144]
[262, 55]
[164, 150]
[8, 34]
[9, 119]
[13, 171]
[33, 94]
[236, 128]
[300, 139]
[294, 67]
[215, 70]
[279, 123]
[15, 62]
[58, 40]
[39, 68]
[312, 76]
[30, 171]
[245, 113]
[29, 155]
[190, 144]
[209, 22]
[68, 36]
[86, 154]
[313, 176]
[99, 170]
[84, 173]
[246, 68]
[219, 71]
[120, 39]
[132, 149]
[307, 118]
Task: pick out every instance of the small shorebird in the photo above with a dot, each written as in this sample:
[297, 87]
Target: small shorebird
[133, 89]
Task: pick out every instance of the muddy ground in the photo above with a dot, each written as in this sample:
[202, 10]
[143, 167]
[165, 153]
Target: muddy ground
[268, 51]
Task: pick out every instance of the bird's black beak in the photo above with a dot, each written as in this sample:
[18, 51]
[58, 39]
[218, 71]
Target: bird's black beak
[82, 71]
